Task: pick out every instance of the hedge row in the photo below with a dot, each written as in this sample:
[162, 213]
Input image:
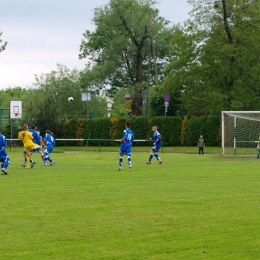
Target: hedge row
[175, 131]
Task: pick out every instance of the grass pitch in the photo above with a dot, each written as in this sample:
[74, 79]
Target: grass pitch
[190, 207]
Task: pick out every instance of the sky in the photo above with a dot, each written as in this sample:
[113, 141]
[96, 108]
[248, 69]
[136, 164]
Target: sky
[42, 34]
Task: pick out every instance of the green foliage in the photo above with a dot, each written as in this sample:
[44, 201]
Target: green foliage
[120, 51]
[119, 101]
[10, 130]
[99, 129]
[65, 132]
[2, 48]
[213, 125]
[184, 130]
[16, 93]
[80, 131]
[172, 129]
[62, 84]
[140, 127]
[72, 130]
[217, 57]
[169, 127]
[88, 129]
[47, 115]
[121, 126]
[46, 104]
[156, 102]
[113, 130]
[196, 127]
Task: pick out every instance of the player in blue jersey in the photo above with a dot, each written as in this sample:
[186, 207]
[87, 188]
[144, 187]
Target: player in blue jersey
[4, 159]
[157, 142]
[50, 143]
[126, 146]
[42, 144]
[37, 139]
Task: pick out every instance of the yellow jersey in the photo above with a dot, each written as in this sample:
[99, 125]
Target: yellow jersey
[25, 136]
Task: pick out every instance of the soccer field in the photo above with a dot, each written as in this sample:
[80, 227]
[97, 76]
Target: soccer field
[190, 207]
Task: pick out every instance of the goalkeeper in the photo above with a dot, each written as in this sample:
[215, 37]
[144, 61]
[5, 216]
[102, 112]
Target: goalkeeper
[258, 151]
[26, 137]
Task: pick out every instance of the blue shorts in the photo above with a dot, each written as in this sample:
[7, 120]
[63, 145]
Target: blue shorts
[48, 150]
[156, 148]
[36, 150]
[125, 151]
[4, 159]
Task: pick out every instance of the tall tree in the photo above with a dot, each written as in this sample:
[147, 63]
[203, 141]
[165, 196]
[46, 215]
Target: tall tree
[62, 84]
[2, 48]
[127, 31]
[220, 67]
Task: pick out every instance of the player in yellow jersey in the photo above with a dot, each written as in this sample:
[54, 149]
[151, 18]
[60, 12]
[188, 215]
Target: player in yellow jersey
[26, 137]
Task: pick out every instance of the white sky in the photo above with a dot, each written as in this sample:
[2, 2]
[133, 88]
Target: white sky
[42, 34]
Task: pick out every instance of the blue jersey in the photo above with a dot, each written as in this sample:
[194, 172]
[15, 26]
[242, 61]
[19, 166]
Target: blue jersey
[3, 144]
[157, 140]
[40, 138]
[126, 145]
[36, 136]
[128, 136]
[50, 141]
[157, 137]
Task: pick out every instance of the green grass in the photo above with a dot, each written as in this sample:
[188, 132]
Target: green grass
[190, 207]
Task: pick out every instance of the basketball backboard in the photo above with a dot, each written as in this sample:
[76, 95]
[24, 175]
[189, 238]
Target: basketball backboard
[15, 109]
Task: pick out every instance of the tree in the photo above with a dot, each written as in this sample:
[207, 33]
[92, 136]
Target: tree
[2, 48]
[156, 104]
[118, 109]
[217, 57]
[118, 50]
[62, 84]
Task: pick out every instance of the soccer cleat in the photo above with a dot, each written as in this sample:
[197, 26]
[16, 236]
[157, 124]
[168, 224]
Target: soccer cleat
[130, 167]
[32, 164]
[4, 172]
[148, 163]
[120, 168]
[52, 163]
[160, 162]
[45, 164]
[23, 165]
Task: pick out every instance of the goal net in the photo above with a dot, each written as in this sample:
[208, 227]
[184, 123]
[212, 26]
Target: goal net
[240, 129]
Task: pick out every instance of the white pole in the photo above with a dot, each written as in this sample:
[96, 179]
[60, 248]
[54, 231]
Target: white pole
[11, 133]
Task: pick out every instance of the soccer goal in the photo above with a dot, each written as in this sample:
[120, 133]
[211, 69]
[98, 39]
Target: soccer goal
[240, 129]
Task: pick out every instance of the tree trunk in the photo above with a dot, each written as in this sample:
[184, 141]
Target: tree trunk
[137, 99]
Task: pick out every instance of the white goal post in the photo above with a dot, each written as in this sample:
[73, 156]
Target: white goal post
[239, 129]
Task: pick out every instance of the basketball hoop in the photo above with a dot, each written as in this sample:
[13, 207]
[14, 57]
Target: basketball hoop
[16, 114]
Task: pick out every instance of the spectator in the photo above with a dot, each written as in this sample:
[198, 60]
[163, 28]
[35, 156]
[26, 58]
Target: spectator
[201, 145]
